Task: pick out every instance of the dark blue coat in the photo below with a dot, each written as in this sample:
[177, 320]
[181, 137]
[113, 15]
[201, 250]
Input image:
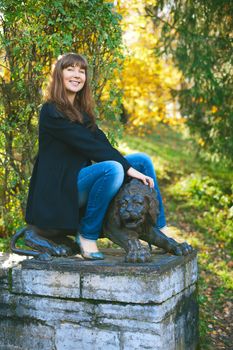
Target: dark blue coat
[64, 149]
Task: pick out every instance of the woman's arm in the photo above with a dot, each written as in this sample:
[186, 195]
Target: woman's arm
[147, 180]
[101, 136]
[78, 137]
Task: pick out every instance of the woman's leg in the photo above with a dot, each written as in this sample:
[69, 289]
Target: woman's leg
[97, 185]
[143, 163]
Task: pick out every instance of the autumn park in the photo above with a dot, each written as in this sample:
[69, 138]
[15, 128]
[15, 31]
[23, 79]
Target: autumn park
[162, 77]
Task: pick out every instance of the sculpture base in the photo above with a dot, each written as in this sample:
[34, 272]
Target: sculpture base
[69, 303]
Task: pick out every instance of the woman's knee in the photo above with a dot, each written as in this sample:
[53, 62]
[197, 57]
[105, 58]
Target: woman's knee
[115, 170]
[140, 157]
[144, 156]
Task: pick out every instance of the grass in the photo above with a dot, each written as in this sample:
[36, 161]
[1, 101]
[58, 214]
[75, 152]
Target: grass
[4, 244]
[198, 201]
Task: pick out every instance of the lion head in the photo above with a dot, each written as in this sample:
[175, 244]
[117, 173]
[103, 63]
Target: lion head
[132, 217]
[135, 206]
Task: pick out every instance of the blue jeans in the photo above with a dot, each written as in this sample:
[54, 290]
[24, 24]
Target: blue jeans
[100, 182]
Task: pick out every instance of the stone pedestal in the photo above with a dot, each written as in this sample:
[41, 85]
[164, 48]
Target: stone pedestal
[72, 304]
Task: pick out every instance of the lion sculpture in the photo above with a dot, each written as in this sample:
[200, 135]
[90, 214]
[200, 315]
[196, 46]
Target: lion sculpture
[131, 217]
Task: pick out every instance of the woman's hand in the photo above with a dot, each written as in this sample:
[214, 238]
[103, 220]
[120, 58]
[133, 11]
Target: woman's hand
[147, 180]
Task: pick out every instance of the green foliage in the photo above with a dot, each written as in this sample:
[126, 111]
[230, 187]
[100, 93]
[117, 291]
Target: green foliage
[198, 36]
[4, 244]
[202, 192]
[214, 201]
[32, 35]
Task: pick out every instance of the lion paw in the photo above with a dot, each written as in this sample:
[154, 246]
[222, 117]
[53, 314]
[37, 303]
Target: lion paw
[142, 255]
[60, 250]
[44, 257]
[44, 245]
[180, 248]
[137, 252]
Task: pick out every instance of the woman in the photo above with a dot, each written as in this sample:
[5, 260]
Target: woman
[64, 179]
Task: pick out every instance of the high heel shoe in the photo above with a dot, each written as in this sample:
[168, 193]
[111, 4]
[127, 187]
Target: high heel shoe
[88, 255]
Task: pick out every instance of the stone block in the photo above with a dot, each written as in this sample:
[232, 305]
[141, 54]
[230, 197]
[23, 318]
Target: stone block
[4, 279]
[10, 347]
[50, 310]
[7, 261]
[140, 318]
[68, 303]
[73, 337]
[153, 286]
[25, 335]
[42, 282]
[185, 319]
[7, 304]
[164, 340]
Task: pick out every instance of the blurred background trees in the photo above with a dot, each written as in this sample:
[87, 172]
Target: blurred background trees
[146, 81]
[198, 36]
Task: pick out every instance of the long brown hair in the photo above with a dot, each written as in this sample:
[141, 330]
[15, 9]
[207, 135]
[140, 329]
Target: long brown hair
[56, 92]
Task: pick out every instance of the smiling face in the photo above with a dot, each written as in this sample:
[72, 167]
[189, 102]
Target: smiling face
[74, 78]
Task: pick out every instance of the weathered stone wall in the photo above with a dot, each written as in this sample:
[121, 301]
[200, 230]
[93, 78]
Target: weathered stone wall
[71, 304]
